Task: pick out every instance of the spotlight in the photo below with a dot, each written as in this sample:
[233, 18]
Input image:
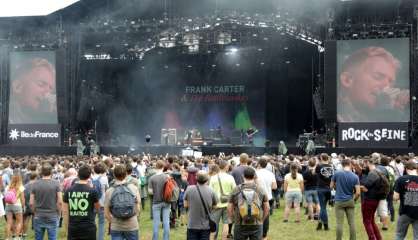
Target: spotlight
[147, 138]
[233, 50]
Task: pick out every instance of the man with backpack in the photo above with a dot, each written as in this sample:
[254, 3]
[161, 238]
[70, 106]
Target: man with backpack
[122, 207]
[248, 207]
[156, 187]
[199, 199]
[80, 201]
[375, 187]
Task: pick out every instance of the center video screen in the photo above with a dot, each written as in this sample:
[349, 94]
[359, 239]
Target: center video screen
[373, 80]
[33, 98]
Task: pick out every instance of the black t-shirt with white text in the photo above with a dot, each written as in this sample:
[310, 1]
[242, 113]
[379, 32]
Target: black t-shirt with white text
[407, 187]
[324, 173]
[81, 199]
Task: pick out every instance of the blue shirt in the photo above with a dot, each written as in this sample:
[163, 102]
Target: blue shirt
[345, 182]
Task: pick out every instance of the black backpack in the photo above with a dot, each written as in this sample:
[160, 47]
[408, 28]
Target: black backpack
[382, 186]
[123, 202]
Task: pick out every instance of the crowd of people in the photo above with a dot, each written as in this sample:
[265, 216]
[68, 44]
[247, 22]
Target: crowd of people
[227, 197]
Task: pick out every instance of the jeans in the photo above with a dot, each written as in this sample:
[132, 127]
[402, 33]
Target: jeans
[101, 224]
[368, 209]
[156, 213]
[124, 235]
[266, 225]
[173, 215]
[198, 234]
[41, 224]
[324, 195]
[390, 206]
[402, 227]
[347, 208]
[251, 232]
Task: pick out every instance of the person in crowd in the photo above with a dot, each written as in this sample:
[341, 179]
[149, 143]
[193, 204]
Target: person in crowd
[32, 97]
[293, 188]
[397, 164]
[71, 177]
[177, 176]
[99, 174]
[406, 190]
[122, 206]
[324, 172]
[347, 186]
[311, 194]
[31, 169]
[80, 202]
[131, 176]
[7, 173]
[372, 186]
[222, 184]
[382, 208]
[249, 207]
[142, 170]
[238, 171]
[14, 198]
[198, 199]
[384, 162]
[366, 84]
[46, 203]
[267, 181]
[28, 213]
[159, 206]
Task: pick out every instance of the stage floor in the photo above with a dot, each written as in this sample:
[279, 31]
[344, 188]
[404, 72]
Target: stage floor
[206, 150]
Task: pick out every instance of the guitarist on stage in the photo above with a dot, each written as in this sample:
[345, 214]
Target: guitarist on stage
[250, 135]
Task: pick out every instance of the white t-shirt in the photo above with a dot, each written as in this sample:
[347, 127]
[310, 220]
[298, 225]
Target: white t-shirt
[265, 180]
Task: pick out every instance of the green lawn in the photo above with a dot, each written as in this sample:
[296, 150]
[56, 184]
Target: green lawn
[278, 230]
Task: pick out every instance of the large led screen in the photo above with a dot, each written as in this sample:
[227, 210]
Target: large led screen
[32, 88]
[373, 80]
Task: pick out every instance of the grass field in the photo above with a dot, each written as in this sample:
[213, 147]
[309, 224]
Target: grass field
[278, 230]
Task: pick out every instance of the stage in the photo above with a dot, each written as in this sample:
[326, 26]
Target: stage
[206, 150]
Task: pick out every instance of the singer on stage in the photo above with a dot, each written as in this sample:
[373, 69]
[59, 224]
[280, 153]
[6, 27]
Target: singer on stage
[32, 95]
[367, 88]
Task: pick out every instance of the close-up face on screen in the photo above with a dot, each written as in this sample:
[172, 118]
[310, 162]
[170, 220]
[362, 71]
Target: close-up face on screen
[32, 88]
[373, 80]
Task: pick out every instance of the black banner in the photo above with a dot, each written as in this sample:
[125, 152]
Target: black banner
[365, 135]
[35, 134]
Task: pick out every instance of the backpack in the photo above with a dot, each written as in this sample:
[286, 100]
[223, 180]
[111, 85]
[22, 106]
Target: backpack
[10, 197]
[382, 186]
[278, 176]
[123, 202]
[171, 191]
[97, 185]
[249, 206]
[392, 177]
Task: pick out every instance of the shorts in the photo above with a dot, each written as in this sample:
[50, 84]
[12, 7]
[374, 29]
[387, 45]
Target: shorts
[311, 196]
[382, 208]
[13, 208]
[293, 197]
[220, 213]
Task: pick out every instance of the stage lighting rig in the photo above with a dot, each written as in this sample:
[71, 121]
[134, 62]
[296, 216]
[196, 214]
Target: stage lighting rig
[167, 39]
[224, 38]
